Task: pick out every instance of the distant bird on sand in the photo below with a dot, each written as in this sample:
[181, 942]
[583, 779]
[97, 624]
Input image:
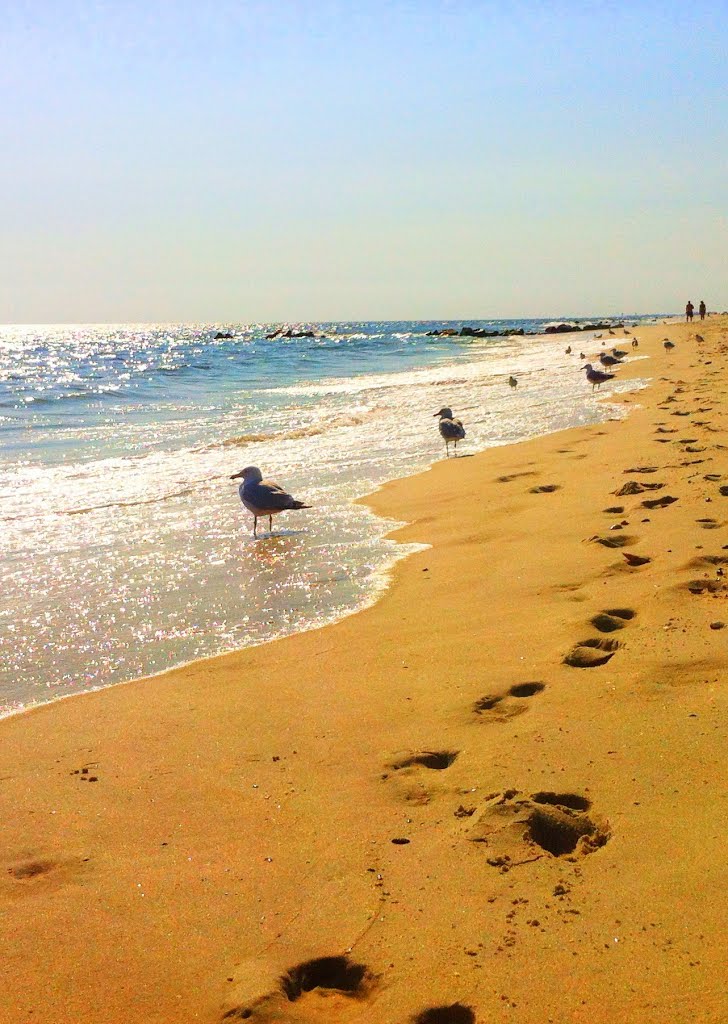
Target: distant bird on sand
[597, 337]
[619, 353]
[635, 343]
[606, 360]
[263, 497]
[582, 356]
[668, 345]
[513, 382]
[611, 331]
[595, 377]
[450, 428]
[567, 351]
[699, 337]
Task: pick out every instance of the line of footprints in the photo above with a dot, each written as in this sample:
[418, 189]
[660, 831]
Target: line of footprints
[514, 828]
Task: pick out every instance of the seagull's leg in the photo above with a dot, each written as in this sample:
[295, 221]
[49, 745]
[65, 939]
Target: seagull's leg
[270, 524]
[255, 526]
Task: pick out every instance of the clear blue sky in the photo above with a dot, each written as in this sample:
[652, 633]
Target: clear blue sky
[287, 160]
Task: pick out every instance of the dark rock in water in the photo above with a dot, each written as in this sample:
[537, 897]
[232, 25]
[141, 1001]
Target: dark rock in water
[222, 334]
[481, 332]
[568, 328]
[561, 328]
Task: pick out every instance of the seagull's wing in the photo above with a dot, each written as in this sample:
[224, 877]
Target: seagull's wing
[267, 495]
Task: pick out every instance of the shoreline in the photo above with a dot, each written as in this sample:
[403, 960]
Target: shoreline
[254, 798]
[148, 660]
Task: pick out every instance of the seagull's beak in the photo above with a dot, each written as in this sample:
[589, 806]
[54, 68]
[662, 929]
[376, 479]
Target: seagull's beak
[236, 476]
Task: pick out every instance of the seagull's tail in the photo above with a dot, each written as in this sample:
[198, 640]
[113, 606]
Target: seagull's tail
[300, 504]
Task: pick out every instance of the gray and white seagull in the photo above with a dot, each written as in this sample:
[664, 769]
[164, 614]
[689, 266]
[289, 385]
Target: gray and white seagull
[450, 428]
[596, 377]
[607, 360]
[263, 497]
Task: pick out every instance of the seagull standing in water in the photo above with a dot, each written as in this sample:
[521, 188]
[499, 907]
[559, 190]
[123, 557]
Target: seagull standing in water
[450, 428]
[595, 377]
[608, 361]
[263, 497]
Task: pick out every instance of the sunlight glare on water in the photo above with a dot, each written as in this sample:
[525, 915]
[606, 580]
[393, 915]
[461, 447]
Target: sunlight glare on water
[124, 547]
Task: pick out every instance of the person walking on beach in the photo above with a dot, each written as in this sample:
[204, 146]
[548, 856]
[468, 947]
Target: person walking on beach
[701, 309]
[689, 311]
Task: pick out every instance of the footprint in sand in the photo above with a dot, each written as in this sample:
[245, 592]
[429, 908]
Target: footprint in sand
[31, 869]
[327, 988]
[612, 619]
[708, 524]
[705, 586]
[435, 760]
[633, 487]
[591, 653]
[623, 540]
[663, 502]
[518, 829]
[456, 1013]
[634, 561]
[411, 770]
[706, 561]
[514, 476]
[502, 706]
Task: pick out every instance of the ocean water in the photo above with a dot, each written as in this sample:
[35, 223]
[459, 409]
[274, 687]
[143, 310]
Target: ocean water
[124, 549]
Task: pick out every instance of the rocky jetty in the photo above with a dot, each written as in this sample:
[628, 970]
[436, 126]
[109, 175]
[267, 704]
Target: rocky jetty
[473, 332]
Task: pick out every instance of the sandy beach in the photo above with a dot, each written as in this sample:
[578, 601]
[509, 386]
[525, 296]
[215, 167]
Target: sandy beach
[499, 794]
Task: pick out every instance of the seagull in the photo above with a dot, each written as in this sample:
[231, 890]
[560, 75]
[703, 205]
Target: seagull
[582, 356]
[263, 497]
[606, 360]
[619, 353]
[668, 345]
[699, 337]
[635, 343]
[595, 377]
[567, 351]
[450, 429]
[513, 382]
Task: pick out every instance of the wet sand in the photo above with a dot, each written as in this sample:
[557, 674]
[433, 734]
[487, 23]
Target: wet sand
[501, 790]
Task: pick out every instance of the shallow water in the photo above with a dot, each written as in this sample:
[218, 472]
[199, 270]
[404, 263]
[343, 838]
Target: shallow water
[124, 549]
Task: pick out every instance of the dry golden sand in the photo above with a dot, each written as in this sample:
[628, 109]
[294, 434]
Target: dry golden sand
[172, 849]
